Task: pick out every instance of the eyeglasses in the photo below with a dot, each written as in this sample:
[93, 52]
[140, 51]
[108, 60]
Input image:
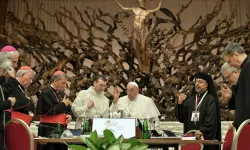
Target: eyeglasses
[228, 76]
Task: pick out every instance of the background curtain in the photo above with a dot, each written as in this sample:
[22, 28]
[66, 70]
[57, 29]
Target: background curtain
[189, 16]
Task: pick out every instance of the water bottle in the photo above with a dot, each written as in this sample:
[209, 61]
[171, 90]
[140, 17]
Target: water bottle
[87, 127]
[145, 134]
[58, 130]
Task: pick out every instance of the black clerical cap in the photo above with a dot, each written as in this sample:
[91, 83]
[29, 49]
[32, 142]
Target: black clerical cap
[211, 88]
[203, 76]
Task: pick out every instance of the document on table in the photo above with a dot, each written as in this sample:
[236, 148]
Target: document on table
[189, 138]
[169, 138]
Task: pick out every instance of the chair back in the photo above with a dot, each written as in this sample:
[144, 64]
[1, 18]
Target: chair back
[228, 140]
[18, 136]
[241, 139]
[193, 146]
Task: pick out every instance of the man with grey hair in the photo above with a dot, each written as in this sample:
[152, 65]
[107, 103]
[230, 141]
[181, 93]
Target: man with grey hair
[5, 104]
[11, 53]
[52, 107]
[135, 105]
[24, 104]
[230, 75]
[234, 54]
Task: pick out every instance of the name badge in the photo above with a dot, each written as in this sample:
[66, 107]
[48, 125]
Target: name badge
[195, 116]
[31, 113]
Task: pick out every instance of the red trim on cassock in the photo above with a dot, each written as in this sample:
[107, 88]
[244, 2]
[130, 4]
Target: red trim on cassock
[54, 119]
[26, 118]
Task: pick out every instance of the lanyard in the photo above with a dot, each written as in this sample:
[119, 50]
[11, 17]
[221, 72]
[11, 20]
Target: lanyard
[58, 95]
[198, 105]
[22, 90]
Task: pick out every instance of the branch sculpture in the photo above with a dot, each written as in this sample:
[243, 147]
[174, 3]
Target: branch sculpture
[173, 60]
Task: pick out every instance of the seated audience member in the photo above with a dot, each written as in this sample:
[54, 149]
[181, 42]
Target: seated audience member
[135, 105]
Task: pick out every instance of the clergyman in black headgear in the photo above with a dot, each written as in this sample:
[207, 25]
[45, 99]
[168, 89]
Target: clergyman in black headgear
[203, 103]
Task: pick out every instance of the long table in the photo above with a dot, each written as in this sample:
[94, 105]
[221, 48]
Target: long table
[161, 143]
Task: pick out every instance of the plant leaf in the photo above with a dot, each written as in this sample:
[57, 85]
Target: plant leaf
[100, 141]
[140, 147]
[109, 136]
[105, 145]
[93, 136]
[116, 142]
[114, 147]
[120, 138]
[126, 146]
[82, 139]
[90, 144]
[133, 141]
[76, 147]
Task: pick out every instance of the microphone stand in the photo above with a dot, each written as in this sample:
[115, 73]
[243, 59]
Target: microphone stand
[154, 132]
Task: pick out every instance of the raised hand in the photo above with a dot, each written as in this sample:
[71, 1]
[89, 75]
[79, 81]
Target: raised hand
[181, 98]
[91, 104]
[69, 118]
[66, 101]
[13, 100]
[226, 92]
[116, 95]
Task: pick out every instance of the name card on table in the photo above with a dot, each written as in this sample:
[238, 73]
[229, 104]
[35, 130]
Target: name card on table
[118, 126]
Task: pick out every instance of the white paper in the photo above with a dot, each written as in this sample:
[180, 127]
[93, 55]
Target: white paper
[124, 126]
[189, 138]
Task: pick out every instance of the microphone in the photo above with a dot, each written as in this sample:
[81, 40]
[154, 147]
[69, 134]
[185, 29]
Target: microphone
[171, 134]
[154, 124]
[154, 132]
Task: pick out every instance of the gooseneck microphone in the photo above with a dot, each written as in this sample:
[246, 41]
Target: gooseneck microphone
[154, 124]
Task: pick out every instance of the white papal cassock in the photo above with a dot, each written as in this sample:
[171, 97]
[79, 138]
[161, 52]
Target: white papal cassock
[142, 107]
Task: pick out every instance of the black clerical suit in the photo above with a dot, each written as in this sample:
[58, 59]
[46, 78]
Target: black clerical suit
[209, 123]
[231, 101]
[3, 106]
[50, 103]
[23, 103]
[208, 120]
[242, 94]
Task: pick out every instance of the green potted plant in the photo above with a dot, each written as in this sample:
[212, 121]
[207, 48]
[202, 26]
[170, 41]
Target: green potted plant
[108, 142]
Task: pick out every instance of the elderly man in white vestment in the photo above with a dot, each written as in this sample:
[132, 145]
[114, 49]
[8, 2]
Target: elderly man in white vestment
[92, 102]
[135, 105]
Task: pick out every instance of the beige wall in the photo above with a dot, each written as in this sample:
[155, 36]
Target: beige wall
[189, 17]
